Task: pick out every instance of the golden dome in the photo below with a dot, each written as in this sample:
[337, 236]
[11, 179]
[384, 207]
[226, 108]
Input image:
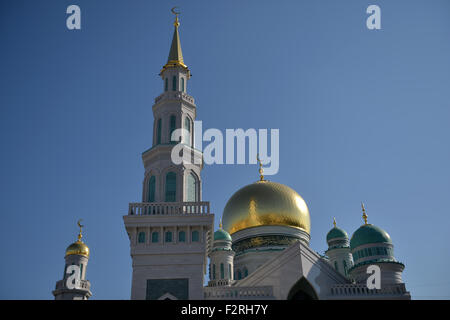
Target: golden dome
[265, 203]
[78, 247]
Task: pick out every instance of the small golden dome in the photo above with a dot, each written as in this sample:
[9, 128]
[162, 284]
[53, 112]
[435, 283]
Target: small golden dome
[265, 203]
[78, 247]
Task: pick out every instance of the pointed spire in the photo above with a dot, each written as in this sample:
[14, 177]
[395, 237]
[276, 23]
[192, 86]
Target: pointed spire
[261, 170]
[175, 54]
[220, 223]
[364, 213]
[334, 222]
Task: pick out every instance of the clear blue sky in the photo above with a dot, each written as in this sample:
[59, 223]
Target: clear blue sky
[363, 116]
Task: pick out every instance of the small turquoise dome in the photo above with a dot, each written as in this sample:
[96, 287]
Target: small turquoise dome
[222, 235]
[336, 233]
[369, 233]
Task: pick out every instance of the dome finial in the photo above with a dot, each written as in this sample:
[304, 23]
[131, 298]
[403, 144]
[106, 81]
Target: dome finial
[364, 213]
[334, 222]
[176, 22]
[220, 223]
[81, 229]
[261, 170]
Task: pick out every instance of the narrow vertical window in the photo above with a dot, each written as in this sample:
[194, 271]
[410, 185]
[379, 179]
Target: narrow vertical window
[187, 132]
[182, 84]
[81, 271]
[158, 131]
[336, 266]
[214, 272]
[345, 267]
[239, 275]
[245, 272]
[195, 236]
[155, 237]
[151, 189]
[222, 271]
[141, 237]
[182, 236]
[229, 272]
[168, 236]
[174, 83]
[166, 85]
[171, 187]
[172, 126]
[191, 188]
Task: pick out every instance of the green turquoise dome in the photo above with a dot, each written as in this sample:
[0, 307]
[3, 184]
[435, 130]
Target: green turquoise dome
[336, 233]
[222, 235]
[367, 234]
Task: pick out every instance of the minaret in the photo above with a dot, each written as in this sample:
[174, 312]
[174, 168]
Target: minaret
[170, 229]
[339, 249]
[174, 109]
[74, 285]
[371, 245]
[221, 259]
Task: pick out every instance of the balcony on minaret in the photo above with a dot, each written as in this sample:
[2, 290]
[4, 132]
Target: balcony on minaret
[175, 95]
[169, 208]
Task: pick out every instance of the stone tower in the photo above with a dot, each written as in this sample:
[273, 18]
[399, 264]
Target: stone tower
[74, 285]
[339, 250]
[221, 260]
[169, 230]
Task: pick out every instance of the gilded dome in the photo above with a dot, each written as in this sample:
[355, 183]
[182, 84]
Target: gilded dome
[265, 203]
[78, 247]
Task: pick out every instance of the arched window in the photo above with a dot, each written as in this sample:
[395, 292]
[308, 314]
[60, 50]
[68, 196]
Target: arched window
[166, 85]
[155, 237]
[182, 84]
[191, 189]
[158, 131]
[172, 127]
[187, 132]
[168, 236]
[141, 237]
[214, 272]
[182, 236]
[239, 275]
[151, 189]
[245, 272]
[222, 271]
[174, 83]
[336, 266]
[195, 236]
[171, 187]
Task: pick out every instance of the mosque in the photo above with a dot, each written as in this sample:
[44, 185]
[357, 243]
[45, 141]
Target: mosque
[260, 250]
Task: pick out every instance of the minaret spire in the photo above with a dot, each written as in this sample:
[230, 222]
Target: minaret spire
[334, 222]
[175, 58]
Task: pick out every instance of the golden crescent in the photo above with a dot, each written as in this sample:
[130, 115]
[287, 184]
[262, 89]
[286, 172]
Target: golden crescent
[79, 223]
[173, 11]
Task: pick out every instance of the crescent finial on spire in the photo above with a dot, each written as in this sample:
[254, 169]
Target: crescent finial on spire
[334, 222]
[364, 213]
[261, 170]
[81, 229]
[176, 23]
